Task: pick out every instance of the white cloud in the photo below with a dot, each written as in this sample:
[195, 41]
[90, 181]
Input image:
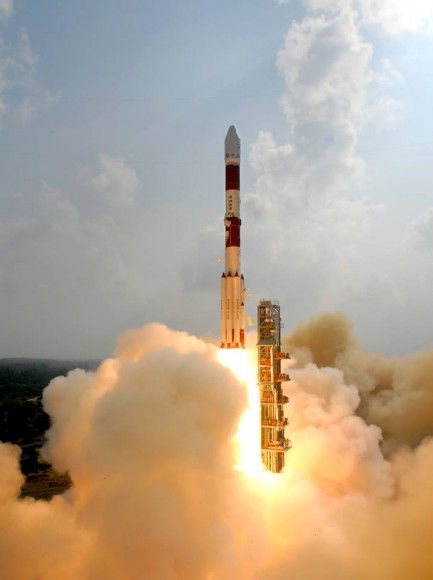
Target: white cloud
[385, 113]
[377, 288]
[328, 5]
[389, 75]
[58, 257]
[392, 17]
[323, 248]
[326, 66]
[26, 58]
[111, 179]
[396, 17]
[423, 226]
[6, 8]
[20, 92]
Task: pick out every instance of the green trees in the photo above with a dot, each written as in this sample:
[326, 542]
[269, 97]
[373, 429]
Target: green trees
[22, 418]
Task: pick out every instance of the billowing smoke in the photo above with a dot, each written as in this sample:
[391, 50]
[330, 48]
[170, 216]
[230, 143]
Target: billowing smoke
[396, 393]
[149, 442]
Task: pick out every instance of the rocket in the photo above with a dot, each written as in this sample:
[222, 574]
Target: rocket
[232, 281]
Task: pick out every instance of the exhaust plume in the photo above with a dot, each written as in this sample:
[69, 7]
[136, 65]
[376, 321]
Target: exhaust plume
[396, 393]
[149, 442]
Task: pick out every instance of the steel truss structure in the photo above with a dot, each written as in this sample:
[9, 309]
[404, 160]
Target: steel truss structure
[270, 379]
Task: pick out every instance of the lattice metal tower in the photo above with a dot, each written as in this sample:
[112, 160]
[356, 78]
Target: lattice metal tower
[273, 443]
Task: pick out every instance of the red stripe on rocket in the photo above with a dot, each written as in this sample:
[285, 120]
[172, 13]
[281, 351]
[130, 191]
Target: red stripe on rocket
[232, 281]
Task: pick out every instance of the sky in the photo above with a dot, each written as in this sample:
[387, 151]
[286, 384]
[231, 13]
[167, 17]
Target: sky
[112, 124]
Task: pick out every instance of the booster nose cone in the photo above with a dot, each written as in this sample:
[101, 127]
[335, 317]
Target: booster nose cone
[232, 145]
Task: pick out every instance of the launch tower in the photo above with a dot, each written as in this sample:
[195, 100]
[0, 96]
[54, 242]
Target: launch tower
[273, 443]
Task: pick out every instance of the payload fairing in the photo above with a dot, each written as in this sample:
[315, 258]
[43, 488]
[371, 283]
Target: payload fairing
[232, 281]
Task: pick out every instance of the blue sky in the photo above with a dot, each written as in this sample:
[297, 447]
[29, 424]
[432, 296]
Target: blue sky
[113, 117]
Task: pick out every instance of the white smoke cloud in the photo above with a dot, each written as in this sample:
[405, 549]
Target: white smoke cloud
[325, 429]
[148, 442]
[395, 392]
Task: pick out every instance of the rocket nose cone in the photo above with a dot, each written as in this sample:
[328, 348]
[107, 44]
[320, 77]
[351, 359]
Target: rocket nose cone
[232, 132]
[232, 143]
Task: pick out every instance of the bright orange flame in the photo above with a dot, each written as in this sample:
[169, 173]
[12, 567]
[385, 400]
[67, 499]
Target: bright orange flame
[248, 434]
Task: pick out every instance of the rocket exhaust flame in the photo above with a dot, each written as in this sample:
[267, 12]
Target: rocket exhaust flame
[247, 438]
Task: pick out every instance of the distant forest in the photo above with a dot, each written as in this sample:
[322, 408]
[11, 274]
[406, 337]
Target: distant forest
[22, 419]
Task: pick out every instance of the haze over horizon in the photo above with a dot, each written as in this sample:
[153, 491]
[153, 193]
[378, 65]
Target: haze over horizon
[113, 119]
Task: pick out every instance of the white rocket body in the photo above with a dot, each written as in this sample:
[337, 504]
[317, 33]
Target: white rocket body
[232, 281]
